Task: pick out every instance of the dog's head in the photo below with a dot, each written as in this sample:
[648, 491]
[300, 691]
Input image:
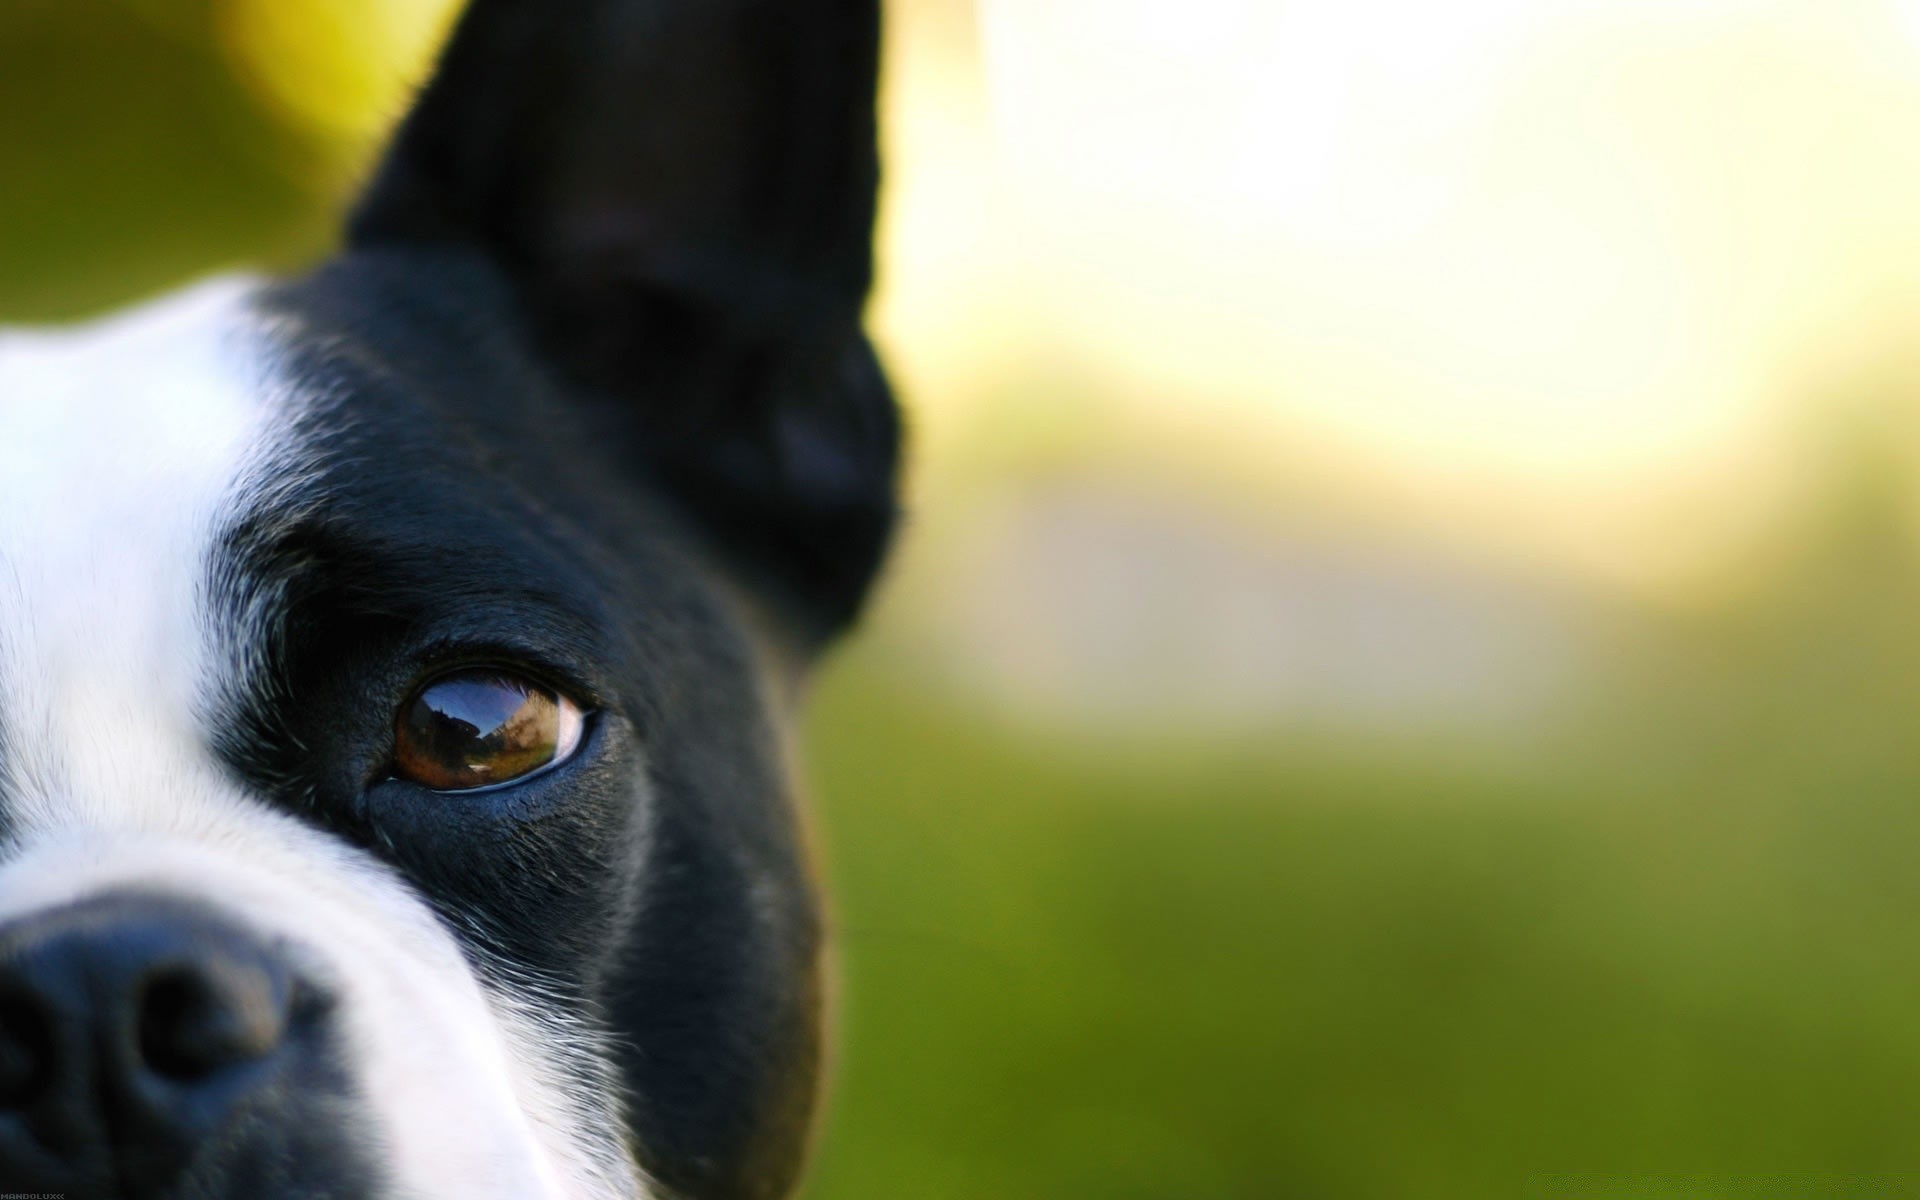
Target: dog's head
[394, 661]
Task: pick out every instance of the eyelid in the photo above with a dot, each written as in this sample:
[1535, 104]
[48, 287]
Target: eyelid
[446, 656]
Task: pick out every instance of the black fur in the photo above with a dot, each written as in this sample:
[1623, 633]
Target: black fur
[458, 505]
[681, 193]
[593, 400]
[585, 396]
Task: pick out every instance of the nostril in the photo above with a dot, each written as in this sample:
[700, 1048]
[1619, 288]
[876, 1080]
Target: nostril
[195, 1020]
[26, 1051]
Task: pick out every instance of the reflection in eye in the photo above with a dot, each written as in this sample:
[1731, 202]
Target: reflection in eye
[471, 729]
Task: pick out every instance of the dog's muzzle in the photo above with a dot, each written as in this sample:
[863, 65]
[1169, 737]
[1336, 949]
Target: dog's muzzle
[150, 1047]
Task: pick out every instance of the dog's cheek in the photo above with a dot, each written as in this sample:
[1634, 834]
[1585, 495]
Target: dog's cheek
[544, 874]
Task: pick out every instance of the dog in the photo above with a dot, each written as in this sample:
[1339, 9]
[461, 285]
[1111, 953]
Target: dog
[398, 662]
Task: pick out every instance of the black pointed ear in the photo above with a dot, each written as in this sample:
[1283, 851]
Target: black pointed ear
[682, 192]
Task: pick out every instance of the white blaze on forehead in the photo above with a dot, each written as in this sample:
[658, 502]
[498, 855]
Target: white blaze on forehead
[125, 448]
[117, 443]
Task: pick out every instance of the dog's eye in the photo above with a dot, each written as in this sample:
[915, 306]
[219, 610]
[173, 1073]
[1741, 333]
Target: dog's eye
[472, 729]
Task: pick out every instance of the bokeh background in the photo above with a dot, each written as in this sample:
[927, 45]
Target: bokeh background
[1404, 673]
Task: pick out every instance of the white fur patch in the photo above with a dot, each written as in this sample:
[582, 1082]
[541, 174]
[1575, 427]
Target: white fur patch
[125, 447]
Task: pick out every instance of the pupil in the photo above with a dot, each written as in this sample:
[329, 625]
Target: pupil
[474, 709]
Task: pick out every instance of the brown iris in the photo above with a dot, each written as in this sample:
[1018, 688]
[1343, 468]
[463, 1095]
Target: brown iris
[480, 727]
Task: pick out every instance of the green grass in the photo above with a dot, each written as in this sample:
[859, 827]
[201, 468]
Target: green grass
[1297, 972]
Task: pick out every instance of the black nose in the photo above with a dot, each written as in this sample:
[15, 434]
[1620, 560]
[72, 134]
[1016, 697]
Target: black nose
[134, 1029]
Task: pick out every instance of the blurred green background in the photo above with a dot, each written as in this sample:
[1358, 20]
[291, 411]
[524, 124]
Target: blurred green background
[1404, 672]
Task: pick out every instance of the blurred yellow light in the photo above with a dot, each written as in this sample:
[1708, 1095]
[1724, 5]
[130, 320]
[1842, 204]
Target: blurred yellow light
[1564, 272]
[341, 68]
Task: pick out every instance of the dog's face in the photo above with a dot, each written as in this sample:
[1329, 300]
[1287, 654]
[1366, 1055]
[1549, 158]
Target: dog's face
[395, 662]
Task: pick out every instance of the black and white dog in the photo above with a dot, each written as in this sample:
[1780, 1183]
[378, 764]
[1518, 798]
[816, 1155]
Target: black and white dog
[396, 663]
